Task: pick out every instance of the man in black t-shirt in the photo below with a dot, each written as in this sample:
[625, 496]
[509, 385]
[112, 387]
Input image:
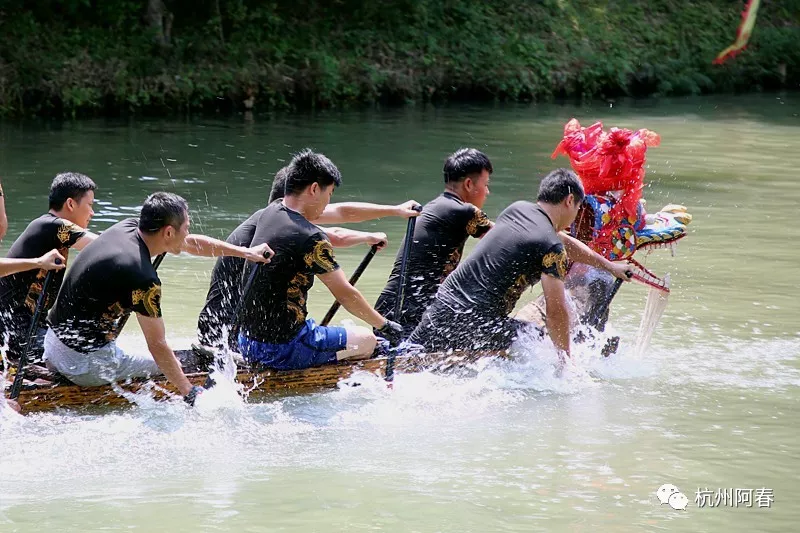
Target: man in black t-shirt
[62, 228]
[216, 320]
[471, 308]
[439, 237]
[275, 329]
[113, 277]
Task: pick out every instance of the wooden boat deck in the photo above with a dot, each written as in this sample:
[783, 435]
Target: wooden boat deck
[260, 383]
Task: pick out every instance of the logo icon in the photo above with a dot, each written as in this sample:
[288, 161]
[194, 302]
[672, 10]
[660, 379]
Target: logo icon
[670, 494]
[678, 501]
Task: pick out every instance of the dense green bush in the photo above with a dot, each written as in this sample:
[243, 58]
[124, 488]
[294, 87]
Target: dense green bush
[65, 57]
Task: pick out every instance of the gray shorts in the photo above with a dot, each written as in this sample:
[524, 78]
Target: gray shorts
[100, 367]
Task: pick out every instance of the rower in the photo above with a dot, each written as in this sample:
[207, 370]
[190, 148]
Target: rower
[439, 237]
[63, 227]
[525, 246]
[275, 329]
[52, 260]
[217, 321]
[114, 276]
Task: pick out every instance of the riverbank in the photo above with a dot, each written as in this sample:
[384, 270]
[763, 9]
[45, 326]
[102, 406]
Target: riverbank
[71, 58]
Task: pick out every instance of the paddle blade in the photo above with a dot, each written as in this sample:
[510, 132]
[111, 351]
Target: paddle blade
[654, 309]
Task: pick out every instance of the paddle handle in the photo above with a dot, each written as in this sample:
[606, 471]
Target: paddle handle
[401, 294]
[16, 387]
[603, 309]
[353, 279]
[617, 284]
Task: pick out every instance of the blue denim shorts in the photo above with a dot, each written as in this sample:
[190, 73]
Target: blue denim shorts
[313, 346]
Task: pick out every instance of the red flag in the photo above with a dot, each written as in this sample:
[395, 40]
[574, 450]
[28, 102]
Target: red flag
[742, 34]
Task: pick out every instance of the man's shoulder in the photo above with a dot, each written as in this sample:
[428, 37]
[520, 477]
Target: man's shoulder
[282, 220]
[114, 235]
[445, 200]
[523, 205]
[521, 209]
[252, 219]
[448, 208]
[243, 234]
[40, 232]
[126, 224]
[41, 223]
[529, 220]
[118, 244]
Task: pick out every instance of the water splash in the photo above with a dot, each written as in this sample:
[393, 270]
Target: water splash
[5, 410]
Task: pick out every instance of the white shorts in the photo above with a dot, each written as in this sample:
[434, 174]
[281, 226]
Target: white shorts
[100, 367]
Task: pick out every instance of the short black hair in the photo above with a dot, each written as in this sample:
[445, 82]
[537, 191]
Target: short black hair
[162, 209]
[279, 185]
[69, 185]
[464, 163]
[559, 184]
[309, 167]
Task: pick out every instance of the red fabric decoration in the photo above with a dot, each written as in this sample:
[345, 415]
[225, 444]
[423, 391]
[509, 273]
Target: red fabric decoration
[609, 161]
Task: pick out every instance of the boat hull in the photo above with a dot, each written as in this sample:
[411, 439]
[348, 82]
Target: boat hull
[261, 384]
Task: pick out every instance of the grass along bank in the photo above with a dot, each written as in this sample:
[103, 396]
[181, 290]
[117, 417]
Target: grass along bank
[82, 57]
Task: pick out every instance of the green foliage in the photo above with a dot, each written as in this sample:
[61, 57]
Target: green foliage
[72, 57]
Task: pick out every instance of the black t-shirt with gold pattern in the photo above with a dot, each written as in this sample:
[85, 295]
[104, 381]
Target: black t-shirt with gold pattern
[225, 289]
[20, 292]
[522, 246]
[275, 310]
[111, 277]
[440, 234]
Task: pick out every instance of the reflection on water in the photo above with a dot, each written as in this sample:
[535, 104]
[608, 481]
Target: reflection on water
[502, 446]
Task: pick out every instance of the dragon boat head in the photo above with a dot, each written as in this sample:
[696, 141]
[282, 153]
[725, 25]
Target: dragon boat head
[614, 223]
[620, 238]
[591, 289]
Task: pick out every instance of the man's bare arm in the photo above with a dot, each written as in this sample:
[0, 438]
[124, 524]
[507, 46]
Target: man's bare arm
[351, 298]
[557, 315]
[580, 253]
[52, 260]
[84, 241]
[204, 246]
[348, 212]
[344, 238]
[155, 334]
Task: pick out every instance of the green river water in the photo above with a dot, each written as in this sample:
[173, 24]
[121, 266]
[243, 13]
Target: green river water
[712, 405]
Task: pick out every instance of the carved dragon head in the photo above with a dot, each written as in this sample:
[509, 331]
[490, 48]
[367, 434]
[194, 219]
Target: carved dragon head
[620, 239]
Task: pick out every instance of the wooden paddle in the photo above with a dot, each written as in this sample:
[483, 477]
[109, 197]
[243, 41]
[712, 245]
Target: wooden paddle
[401, 294]
[602, 308]
[612, 343]
[16, 387]
[353, 279]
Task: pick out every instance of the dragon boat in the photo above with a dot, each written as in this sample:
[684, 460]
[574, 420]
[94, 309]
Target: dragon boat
[257, 384]
[612, 220]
